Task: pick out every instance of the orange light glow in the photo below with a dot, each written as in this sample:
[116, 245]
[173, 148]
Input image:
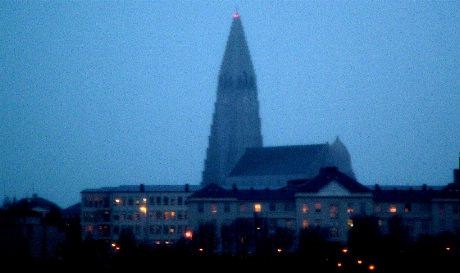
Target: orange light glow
[393, 209]
[339, 264]
[344, 250]
[257, 207]
[371, 267]
[359, 261]
[143, 209]
[114, 245]
[279, 250]
[200, 249]
[188, 234]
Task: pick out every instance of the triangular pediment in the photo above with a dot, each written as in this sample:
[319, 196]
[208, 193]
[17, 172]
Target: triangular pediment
[333, 188]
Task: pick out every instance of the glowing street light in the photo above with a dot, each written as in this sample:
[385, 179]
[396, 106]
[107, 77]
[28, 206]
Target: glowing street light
[143, 209]
[188, 235]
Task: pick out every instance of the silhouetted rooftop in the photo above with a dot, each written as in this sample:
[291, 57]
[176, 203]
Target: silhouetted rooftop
[147, 188]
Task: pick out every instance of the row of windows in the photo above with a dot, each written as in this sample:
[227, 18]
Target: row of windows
[246, 207]
[96, 216]
[258, 207]
[333, 209]
[156, 215]
[152, 201]
[153, 229]
[96, 202]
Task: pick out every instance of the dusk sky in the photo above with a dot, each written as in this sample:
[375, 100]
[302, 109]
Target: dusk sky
[104, 93]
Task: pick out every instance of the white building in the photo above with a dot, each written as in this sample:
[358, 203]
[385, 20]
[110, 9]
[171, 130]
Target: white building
[154, 214]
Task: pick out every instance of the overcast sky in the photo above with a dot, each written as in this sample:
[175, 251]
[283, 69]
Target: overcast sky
[103, 93]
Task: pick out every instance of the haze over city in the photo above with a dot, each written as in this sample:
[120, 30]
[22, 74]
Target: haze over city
[96, 94]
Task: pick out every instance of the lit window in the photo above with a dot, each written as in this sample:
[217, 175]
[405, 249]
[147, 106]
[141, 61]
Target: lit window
[392, 209]
[143, 209]
[305, 208]
[169, 215]
[305, 224]
[117, 201]
[333, 211]
[318, 207]
[350, 223]
[350, 209]
[188, 235]
[172, 230]
[213, 208]
[257, 207]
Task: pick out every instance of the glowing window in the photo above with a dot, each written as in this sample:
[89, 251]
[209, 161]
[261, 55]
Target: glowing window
[257, 207]
[350, 223]
[305, 224]
[305, 208]
[318, 207]
[118, 201]
[393, 209]
[350, 209]
[143, 209]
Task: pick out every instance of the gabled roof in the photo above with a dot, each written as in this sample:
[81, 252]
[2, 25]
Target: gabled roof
[282, 160]
[326, 176]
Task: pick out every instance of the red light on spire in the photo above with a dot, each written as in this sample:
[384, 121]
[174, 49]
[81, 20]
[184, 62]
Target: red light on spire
[235, 15]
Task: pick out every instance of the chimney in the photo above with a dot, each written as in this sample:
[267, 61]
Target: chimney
[187, 187]
[142, 188]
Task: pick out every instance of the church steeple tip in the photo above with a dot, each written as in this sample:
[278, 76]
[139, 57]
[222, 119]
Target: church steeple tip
[236, 15]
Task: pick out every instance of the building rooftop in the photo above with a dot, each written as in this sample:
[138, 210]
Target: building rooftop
[147, 188]
[281, 160]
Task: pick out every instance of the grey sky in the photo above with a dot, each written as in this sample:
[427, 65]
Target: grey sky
[103, 93]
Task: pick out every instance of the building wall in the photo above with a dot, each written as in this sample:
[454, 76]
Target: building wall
[153, 217]
[333, 213]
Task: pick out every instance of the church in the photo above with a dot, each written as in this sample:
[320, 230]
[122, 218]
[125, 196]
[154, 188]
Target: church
[244, 184]
[235, 155]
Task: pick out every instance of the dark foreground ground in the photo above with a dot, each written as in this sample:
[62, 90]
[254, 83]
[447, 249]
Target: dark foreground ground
[236, 264]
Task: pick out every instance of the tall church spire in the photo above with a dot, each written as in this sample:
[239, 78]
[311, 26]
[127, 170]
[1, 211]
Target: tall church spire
[236, 123]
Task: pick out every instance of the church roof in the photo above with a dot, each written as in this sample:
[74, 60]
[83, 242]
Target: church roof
[282, 160]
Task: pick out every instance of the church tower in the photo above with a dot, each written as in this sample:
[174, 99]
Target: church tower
[236, 122]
